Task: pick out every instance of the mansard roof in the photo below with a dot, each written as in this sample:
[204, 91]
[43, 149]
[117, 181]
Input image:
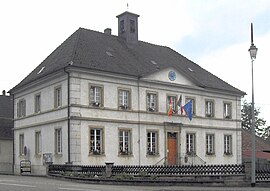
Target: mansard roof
[108, 53]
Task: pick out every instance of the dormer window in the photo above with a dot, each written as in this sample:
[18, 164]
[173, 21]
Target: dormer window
[132, 26]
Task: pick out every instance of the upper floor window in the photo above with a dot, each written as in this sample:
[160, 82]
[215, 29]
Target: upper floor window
[152, 102]
[174, 102]
[58, 141]
[96, 96]
[209, 108]
[210, 144]
[96, 141]
[193, 102]
[190, 143]
[227, 110]
[37, 103]
[124, 99]
[152, 143]
[227, 144]
[21, 108]
[125, 142]
[38, 146]
[132, 26]
[57, 97]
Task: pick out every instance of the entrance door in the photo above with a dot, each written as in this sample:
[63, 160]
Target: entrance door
[172, 148]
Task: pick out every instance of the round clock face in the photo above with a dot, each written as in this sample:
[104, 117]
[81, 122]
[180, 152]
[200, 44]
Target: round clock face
[172, 75]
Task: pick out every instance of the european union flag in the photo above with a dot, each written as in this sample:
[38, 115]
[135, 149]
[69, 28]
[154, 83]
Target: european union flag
[188, 109]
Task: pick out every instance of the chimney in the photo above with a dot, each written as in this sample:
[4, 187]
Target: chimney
[4, 92]
[108, 31]
[128, 26]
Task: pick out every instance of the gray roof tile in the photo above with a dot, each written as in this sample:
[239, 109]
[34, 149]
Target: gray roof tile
[98, 51]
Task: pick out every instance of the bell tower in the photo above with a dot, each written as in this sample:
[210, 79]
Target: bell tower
[128, 26]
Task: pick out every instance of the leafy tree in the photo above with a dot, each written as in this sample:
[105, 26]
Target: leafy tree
[246, 117]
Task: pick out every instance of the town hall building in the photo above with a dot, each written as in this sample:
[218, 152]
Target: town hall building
[102, 98]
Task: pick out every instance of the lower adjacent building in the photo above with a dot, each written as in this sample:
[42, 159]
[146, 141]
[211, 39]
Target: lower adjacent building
[102, 98]
[6, 133]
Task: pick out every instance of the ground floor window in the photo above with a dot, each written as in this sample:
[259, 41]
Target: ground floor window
[96, 141]
[152, 143]
[125, 142]
[58, 141]
[21, 144]
[227, 144]
[38, 143]
[210, 144]
[190, 143]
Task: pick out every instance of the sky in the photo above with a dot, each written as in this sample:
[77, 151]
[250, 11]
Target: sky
[214, 34]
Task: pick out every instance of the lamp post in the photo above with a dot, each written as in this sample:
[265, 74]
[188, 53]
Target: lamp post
[253, 52]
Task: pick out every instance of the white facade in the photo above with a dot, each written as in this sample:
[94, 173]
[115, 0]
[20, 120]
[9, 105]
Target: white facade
[78, 118]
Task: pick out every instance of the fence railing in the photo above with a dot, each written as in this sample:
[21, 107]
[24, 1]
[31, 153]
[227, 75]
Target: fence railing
[234, 169]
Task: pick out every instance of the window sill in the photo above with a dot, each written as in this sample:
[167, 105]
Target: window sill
[152, 155]
[210, 155]
[58, 155]
[96, 155]
[228, 155]
[125, 155]
[38, 155]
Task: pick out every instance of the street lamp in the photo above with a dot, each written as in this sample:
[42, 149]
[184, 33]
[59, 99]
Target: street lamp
[253, 52]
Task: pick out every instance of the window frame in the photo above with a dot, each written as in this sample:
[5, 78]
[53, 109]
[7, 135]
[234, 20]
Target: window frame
[149, 147]
[38, 143]
[21, 108]
[37, 103]
[96, 103]
[228, 145]
[57, 97]
[122, 105]
[132, 26]
[174, 103]
[209, 108]
[58, 136]
[21, 144]
[149, 102]
[210, 144]
[123, 152]
[193, 102]
[101, 146]
[190, 143]
[227, 110]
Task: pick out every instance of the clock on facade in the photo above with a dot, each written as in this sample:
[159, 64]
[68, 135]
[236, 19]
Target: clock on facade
[172, 75]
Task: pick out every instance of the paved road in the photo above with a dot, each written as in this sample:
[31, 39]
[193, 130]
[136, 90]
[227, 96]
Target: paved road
[29, 183]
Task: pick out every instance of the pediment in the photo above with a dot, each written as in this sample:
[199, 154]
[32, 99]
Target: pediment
[170, 75]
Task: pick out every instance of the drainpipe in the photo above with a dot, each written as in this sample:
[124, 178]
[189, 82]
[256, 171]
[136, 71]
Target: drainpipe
[68, 112]
[13, 144]
[139, 122]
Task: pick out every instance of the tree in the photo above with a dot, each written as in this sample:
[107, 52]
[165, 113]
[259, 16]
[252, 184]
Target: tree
[260, 129]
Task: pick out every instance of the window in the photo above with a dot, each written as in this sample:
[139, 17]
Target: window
[125, 142]
[193, 102]
[124, 99]
[190, 143]
[209, 108]
[38, 142]
[58, 141]
[152, 140]
[132, 26]
[210, 144]
[227, 144]
[95, 96]
[152, 102]
[227, 110]
[122, 26]
[21, 144]
[174, 106]
[57, 97]
[37, 103]
[96, 141]
[21, 108]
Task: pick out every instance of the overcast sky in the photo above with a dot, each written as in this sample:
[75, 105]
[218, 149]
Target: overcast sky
[215, 34]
